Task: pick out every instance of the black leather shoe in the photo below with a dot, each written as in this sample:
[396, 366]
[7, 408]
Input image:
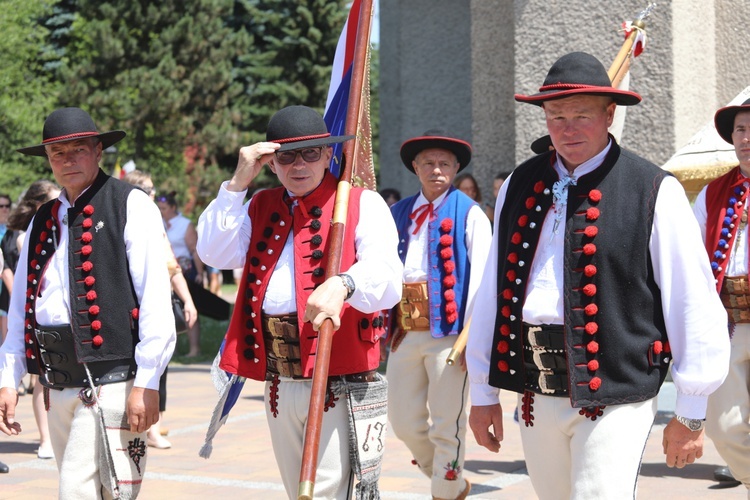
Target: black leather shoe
[4, 469]
[724, 475]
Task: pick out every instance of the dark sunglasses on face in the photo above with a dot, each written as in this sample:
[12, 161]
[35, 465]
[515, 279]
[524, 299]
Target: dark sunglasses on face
[5, 205]
[309, 155]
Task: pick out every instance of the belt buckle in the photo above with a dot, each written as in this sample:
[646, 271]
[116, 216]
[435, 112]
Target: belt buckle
[531, 332]
[45, 338]
[272, 324]
[543, 382]
[55, 377]
[47, 358]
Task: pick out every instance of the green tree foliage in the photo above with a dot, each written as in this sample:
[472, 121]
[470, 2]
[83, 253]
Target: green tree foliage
[27, 93]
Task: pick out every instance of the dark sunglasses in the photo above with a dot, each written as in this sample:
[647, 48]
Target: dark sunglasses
[309, 155]
[5, 205]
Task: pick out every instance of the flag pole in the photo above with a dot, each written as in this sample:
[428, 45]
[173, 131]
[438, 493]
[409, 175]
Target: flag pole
[621, 65]
[325, 336]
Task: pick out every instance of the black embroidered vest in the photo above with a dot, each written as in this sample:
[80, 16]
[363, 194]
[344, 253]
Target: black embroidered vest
[616, 343]
[103, 303]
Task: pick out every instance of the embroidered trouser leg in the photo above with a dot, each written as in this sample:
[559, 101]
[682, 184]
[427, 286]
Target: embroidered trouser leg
[78, 443]
[334, 474]
[570, 456]
[423, 388]
[728, 415]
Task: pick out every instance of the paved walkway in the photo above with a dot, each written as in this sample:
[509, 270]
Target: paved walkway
[243, 466]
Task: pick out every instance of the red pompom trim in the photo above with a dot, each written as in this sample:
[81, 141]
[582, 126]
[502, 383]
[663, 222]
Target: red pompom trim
[513, 258]
[49, 224]
[38, 248]
[589, 290]
[451, 306]
[502, 347]
[516, 238]
[592, 365]
[34, 263]
[591, 328]
[86, 237]
[449, 295]
[530, 201]
[446, 224]
[91, 295]
[446, 253]
[134, 313]
[595, 384]
[97, 340]
[592, 347]
[589, 270]
[96, 325]
[657, 347]
[591, 231]
[511, 275]
[507, 294]
[589, 249]
[504, 330]
[87, 223]
[43, 236]
[539, 187]
[595, 195]
[592, 213]
[505, 311]
[449, 281]
[452, 317]
[523, 220]
[591, 309]
[446, 240]
[89, 280]
[27, 338]
[29, 353]
[667, 347]
[94, 310]
[87, 266]
[502, 366]
[31, 277]
[86, 249]
[449, 266]
[88, 209]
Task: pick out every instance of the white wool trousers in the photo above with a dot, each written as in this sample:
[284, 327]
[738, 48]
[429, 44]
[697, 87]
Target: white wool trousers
[569, 456]
[728, 415]
[334, 478]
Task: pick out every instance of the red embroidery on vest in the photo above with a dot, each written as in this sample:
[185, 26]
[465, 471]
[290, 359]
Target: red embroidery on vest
[527, 402]
[592, 412]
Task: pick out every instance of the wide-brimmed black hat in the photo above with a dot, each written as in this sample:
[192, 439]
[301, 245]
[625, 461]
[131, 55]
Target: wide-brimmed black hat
[542, 144]
[70, 124]
[578, 73]
[297, 127]
[436, 139]
[724, 119]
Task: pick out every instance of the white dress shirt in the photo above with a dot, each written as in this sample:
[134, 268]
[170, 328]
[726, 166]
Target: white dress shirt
[478, 239]
[224, 230]
[147, 261]
[694, 317]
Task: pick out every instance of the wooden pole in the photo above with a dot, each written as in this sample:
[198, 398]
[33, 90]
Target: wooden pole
[325, 336]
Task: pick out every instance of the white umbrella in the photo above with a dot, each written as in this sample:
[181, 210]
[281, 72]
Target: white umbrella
[705, 157]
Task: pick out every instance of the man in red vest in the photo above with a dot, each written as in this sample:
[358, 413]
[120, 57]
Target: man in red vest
[721, 210]
[280, 239]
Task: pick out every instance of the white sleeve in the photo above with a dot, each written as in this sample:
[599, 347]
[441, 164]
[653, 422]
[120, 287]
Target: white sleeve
[478, 241]
[695, 319]
[378, 272]
[147, 261]
[224, 230]
[701, 212]
[481, 333]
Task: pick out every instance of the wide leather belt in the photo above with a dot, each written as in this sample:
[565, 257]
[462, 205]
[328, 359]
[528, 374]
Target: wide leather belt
[413, 311]
[544, 359]
[735, 296]
[281, 336]
[59, 367]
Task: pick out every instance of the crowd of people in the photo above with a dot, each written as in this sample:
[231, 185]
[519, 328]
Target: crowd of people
[594, 277]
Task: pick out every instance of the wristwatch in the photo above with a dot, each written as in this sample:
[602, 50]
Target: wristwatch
[694, 424]
[349, 284]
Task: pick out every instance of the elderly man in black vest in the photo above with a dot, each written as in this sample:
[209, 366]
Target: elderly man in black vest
[88, 315]
[586, 302]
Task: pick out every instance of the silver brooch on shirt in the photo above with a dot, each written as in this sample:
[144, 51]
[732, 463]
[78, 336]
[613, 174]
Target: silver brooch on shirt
[99, 225]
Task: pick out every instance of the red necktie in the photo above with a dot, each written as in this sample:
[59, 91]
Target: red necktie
[420, 214]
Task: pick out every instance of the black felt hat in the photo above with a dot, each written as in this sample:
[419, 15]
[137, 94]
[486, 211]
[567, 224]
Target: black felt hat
[297, 127]
[724, 119]
[578, 73]
[436, 139]
[69, 124]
